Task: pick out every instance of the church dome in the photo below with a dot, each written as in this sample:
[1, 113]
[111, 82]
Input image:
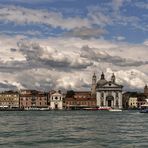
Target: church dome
[102, 81]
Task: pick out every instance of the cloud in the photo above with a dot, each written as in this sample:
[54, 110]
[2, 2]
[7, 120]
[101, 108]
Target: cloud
[86, 33]
[21, 16]
[117, 4]
[101, 56]
[36, 56]
[130, 79]
[119, 38]
[4, 87]
[67, 63]
[141, 5]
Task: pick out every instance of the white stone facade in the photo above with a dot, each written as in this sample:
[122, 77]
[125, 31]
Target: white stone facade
[56, 101]
[108, 93]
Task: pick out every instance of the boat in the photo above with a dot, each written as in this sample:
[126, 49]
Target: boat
[144, 108]
[98, 108]
[115, 110]
[104, 108]
[36, 109]
[90, 108]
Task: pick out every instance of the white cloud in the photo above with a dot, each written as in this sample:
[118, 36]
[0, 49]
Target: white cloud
[119, 38]
[117, 4]
[141, 4]
[20, 15]
[130, 78]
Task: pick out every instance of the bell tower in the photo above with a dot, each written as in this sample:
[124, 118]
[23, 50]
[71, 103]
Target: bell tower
[93, 87]
[146, 90]
[113, 78]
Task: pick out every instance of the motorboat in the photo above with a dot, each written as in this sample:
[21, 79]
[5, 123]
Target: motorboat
[36, 109]
[89, 108]
[98, 108]
[115, 110]
[104, 108]
[144, 108]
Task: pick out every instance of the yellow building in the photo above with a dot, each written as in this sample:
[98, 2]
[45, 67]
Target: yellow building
[133, 101]
[9, 99]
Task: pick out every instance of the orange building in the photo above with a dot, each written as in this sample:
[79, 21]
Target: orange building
[79, 99]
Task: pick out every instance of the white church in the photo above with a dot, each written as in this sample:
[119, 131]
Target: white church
[56, 100]
[108, 93]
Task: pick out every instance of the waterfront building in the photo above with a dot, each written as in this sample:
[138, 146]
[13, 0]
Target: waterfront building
[56, 100]
[33, 99]
[125, 100]
[133, 102]
[79, 99]
[9, 99]
[108, 93]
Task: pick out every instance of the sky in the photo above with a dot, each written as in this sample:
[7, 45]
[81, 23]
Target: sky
[59, 44]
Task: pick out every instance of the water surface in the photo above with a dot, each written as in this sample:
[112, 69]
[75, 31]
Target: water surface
[76, 129]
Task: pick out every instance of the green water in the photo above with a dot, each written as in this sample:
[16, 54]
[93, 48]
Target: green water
[73, 129]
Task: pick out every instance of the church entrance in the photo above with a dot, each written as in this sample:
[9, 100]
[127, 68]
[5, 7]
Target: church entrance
[109, 103]
[109, 100]
[56, 106]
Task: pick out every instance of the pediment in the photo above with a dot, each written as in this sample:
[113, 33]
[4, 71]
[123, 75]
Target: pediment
[111, 85]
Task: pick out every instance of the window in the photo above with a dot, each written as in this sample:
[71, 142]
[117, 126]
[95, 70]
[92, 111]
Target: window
[102, 104]
[116, 103]
[102, 94]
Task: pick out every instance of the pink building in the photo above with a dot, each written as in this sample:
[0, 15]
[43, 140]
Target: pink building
[33, 98]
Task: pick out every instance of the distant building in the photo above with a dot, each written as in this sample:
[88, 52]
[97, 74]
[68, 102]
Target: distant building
[125, 100]
[133, 100]
[56, 100]
[108, 93]
[79, 99]
[9, 99]
[33, 99]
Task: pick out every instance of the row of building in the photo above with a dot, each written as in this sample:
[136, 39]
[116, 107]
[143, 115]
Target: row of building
[52, 100]
[103, 93]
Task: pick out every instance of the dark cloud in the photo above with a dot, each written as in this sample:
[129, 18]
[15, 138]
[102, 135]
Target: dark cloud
[13, 49]
[99, 56]
[7, 86]
[86, 33]
[33, 53]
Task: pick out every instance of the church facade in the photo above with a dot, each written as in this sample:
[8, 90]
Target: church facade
[56, 100]
[108, 93]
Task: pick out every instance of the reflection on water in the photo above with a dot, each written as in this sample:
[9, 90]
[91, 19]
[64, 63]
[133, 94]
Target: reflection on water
[78, 129]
